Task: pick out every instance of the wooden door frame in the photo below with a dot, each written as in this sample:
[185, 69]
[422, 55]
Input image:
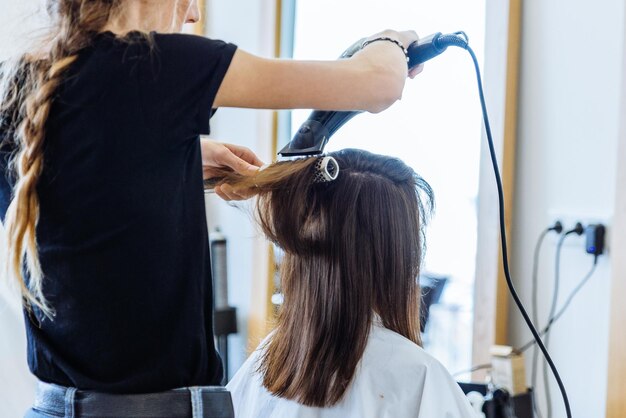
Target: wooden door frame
[616, 386]
[616, 368]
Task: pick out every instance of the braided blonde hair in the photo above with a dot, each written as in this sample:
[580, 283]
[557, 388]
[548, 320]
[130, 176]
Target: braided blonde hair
[28, 91]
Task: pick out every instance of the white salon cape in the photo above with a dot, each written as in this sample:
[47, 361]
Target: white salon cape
[395, 379]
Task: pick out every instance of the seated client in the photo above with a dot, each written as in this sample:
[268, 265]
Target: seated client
[347, 338]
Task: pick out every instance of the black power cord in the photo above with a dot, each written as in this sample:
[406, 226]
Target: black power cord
[558, 228]
[505, 259]
[535, 309]
[561, 311]
[550, 323]
[578, 230]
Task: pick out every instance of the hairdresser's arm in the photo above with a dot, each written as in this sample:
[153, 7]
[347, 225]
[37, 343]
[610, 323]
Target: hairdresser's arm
[372, 80]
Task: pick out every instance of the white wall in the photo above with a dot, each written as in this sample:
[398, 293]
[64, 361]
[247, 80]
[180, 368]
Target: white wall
[571, 64]
[21, 21]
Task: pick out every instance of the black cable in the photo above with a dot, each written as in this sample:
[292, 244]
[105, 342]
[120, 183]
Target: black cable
[573, 294]
[558, 228]
[534, 299]
[551, 322]
[578, 229]
[505, 260]
[561, 311]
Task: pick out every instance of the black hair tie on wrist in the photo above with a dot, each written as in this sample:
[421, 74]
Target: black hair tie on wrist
[385, 38]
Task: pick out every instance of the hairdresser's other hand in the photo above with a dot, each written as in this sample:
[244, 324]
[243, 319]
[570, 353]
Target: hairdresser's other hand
[228, 192]
[217, 156]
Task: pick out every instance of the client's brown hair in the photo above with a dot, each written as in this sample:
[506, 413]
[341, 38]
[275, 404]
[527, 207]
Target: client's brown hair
[353, 247]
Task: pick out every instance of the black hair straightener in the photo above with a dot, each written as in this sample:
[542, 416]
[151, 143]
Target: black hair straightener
[315, 132]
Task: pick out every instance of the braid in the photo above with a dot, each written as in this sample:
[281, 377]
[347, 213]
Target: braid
[77, 22]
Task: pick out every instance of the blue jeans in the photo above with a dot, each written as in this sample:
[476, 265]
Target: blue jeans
[53, 401]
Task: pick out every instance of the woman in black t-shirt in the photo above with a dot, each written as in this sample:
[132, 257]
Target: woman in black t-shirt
[101, 171]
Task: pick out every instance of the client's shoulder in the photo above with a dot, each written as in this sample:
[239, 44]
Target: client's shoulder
[387, 350]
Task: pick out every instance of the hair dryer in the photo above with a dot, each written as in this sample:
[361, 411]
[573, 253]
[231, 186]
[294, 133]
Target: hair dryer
[315, 132]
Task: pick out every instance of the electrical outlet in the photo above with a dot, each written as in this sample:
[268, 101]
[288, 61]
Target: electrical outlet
[568, 219]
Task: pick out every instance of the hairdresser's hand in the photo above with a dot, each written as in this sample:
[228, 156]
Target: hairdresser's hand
[216, 156]
[406, 38]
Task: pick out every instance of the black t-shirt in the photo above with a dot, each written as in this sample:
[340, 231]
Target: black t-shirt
[122, 232]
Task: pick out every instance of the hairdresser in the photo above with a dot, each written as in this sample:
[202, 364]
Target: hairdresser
[101, 194]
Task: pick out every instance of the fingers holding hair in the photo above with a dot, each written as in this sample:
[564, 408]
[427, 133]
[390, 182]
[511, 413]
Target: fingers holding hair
[230, 193]
[241, 160]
